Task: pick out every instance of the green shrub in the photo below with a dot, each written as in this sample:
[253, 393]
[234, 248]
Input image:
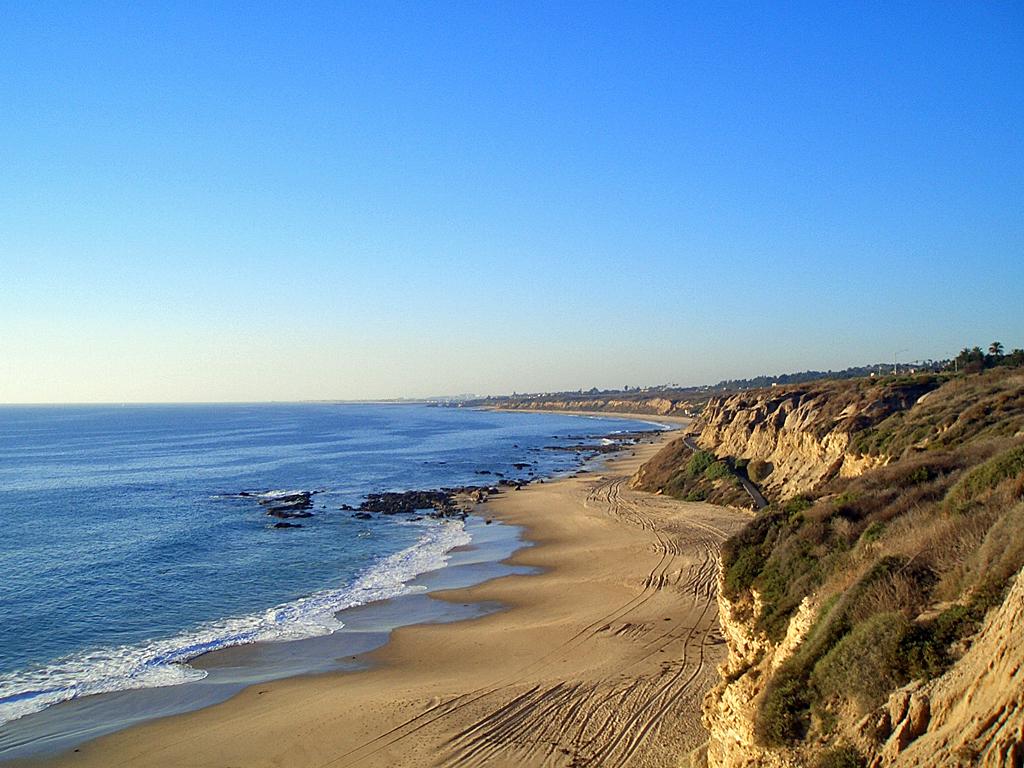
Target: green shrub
[840, 757]
[986, 477]
[925, 649]
[873, 532]
[784, 712]
[744, 553]
[699, 462]
[919, 475]
[866, 664]
[846, 498]
[796, 505]
[743, 570]
[717, 471]
[783, 582]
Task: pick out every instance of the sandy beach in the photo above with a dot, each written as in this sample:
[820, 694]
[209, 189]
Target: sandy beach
[601, 659]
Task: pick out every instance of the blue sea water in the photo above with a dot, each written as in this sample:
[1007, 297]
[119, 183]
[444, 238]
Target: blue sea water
[127, 551]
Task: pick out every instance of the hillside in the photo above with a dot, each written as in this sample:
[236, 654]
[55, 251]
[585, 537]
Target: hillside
[656, 405]
[850, 605]
[673, 400]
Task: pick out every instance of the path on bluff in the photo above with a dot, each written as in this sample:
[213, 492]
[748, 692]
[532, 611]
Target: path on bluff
[760, 502]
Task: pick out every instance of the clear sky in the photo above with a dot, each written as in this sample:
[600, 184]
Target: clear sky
[214, 201]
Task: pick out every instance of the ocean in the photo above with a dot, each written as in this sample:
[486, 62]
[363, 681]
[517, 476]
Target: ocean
[134, 539]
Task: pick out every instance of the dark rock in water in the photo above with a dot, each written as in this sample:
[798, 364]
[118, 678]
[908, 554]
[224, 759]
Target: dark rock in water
[443, 502]
[363, 516]
[347, 508]
[482, 472]
[287, 505]
[287, 525]
[522, 464]
[298, 500]
[394, 503]
[288, 513]
[488, 521]
[600, 448]
[416, 519]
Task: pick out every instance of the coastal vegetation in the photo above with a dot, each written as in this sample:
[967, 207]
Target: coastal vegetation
[878, 571]
[905, 560]
[684, 473]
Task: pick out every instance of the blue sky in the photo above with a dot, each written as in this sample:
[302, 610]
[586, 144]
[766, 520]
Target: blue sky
[252, 201]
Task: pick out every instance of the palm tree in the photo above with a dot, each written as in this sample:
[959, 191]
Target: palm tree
[995, 349]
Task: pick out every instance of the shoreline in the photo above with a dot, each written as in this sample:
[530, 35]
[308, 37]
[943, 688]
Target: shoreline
[226, 671]
[417, 679]
[650, 418]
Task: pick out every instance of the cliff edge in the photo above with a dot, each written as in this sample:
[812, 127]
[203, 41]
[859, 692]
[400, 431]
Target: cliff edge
[872, 611]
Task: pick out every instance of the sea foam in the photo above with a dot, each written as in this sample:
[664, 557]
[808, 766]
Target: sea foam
[162, 662]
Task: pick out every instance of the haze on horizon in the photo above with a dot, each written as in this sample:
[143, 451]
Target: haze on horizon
[232, 202]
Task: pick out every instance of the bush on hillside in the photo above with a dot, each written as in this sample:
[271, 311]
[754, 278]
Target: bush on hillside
[699, 462]
[840, 757]
[758, 470]
[984, 478]
[866, 664]
[717, 471]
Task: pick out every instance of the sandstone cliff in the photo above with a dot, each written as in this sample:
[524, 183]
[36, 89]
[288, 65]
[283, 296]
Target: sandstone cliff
[972, 715]
[803, 433]
[872, 612]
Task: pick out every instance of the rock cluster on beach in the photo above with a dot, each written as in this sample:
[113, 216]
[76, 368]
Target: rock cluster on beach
[439, 503]
[457, 502]
[608, 444]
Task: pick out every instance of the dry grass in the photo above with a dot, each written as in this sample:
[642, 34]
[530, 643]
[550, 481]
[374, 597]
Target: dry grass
[939, 526]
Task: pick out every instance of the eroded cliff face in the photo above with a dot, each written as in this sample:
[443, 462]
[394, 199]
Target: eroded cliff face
[802, 433]
[730, 707]
[908, 536]
[972, 715]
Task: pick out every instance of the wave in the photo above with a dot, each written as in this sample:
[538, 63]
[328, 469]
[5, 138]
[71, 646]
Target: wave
[162, 662]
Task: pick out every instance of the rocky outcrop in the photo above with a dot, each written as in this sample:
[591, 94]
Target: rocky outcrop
[444, 502]
[802, 434]
[973, 715]
[283, 505]
[730, 707]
